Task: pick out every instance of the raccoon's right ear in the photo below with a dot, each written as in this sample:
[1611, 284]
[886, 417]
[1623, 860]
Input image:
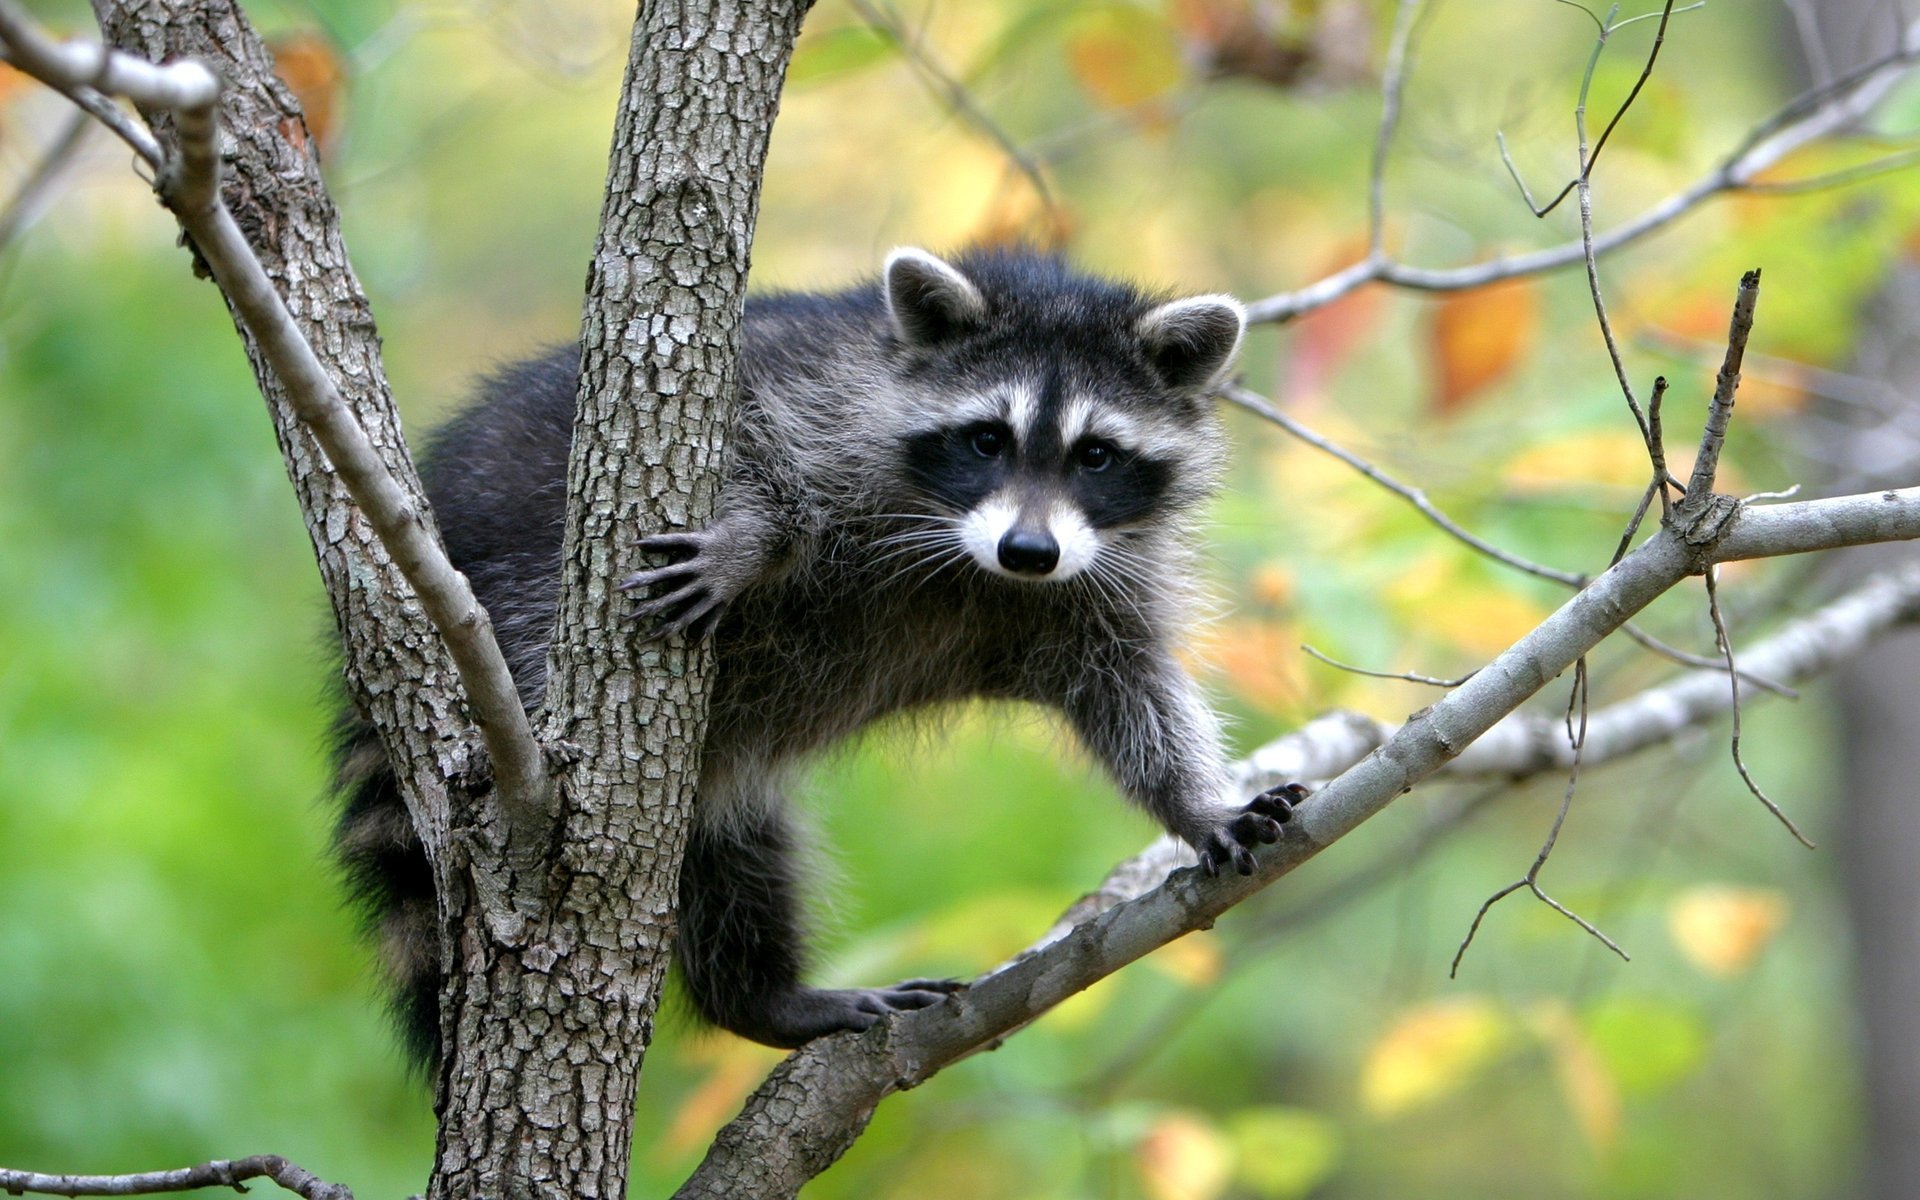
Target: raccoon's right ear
[928, 298]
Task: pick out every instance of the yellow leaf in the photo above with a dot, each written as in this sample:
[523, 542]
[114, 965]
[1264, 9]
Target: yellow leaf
[1607, 457]
[1283, 1153]
[1461, 609]
[1722, 928]
[1123, 60]
[1584, 1080]
[1478, 337]
[1183, 1157]
[1430, 1052]
[1195, 960]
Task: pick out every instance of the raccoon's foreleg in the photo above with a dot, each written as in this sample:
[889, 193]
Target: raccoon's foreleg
[1145, 718]
[740, 944]
[711, 567]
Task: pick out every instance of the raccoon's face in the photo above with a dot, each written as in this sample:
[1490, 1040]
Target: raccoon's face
[1062, 413]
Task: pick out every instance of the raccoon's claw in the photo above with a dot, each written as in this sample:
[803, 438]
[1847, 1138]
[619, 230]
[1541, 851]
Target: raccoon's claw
[693, 600]
[1259, 822]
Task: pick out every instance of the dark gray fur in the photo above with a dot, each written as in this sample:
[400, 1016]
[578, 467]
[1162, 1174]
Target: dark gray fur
[833, 586]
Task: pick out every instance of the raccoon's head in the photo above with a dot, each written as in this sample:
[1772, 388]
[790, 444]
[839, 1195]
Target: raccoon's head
[1054, 416]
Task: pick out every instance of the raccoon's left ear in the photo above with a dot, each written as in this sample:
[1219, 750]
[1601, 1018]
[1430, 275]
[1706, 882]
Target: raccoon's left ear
[1191, 342]
[929, 299]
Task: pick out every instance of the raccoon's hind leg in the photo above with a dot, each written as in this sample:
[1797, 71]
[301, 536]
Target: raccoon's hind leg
[740, 942]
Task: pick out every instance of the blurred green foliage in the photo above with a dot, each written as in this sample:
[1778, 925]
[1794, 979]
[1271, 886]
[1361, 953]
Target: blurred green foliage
[178, 982]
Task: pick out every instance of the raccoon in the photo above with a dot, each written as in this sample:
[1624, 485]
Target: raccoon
[975, 478]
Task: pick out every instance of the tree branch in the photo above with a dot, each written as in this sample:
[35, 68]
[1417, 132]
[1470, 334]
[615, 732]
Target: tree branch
[1807, 118]
[815, 1103]
[227, 1173]
[189, 184]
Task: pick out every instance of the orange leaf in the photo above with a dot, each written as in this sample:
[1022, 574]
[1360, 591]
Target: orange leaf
[1431, 1051]
[1123, 62]
[314, 70]
[1327, 337]
[1182, 1157]
[1722, 929]
[1261, 661]
[1478, 337]
[1589, 1088]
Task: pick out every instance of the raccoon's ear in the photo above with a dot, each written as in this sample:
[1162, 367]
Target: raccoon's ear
[928, 298]
[1192, 342]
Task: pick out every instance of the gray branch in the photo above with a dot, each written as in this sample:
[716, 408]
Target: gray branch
[222, 1173]
[812, 1107]
[189, 186]
[1806, 118]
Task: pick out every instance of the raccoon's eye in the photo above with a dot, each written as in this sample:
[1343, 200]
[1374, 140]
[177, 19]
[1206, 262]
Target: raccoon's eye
[1094, 456]
[989, 442]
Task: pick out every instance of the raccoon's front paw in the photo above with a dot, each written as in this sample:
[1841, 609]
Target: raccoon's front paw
[1259, 822]
[708, 572]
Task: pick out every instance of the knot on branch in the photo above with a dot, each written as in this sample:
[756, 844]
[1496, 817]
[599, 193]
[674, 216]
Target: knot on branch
[1702, 522]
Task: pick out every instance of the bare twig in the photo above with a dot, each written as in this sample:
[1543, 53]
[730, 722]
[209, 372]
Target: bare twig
[1720, 412]
[1676, 654]
[1646, 73]
[1393, 84]
[1804, 119]
[189, 184]
[1583, 183]
[1255, 403]
[1740, 763]
[1409, 676]
[881, 17]
[1576, 741]
[1657, 444]
[222, 1173]
[1841, 177]
[32, 198]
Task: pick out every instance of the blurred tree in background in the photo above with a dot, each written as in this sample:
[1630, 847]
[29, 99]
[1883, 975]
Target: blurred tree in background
[178, 982]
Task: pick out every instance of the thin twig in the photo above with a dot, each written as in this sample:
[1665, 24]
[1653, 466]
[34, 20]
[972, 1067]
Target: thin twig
[1666, 650]
[883, 20]
[1393, 84]
[1577, 739]
[1841, 177]
[1646, 73]
[1253, 402]
[1657, 444]
[222, 1173]
[1584, 186]
[189, 185]
[32, 198]
[1713, 438]
[1806, 118]
[1733, 677]
[1408, 676]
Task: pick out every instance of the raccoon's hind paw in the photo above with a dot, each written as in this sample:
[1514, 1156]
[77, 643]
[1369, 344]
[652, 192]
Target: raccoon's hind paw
[695, 589]
[1259, 822]
[803, 1014]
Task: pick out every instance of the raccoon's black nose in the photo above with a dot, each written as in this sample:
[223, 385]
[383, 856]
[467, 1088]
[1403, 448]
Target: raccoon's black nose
[1029, 551]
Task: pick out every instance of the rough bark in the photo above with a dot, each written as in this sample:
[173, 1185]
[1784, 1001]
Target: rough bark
[554, 1011]
[396, 665]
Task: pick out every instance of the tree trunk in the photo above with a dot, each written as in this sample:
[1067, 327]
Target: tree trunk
[553, 1013]
[1878, 694]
